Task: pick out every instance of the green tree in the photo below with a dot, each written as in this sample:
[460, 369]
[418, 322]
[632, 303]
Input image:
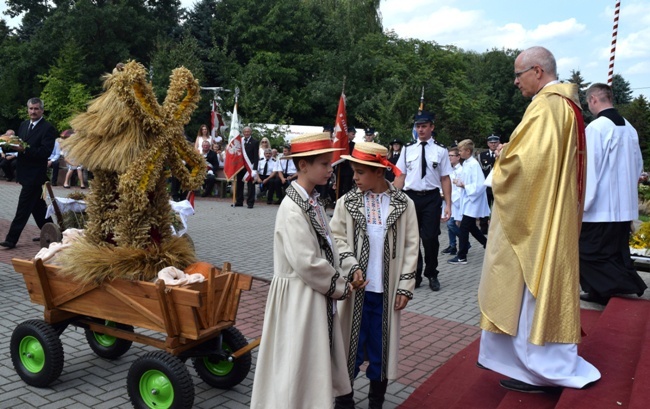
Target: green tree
[621, 89]
[62, 94]
[577, 79]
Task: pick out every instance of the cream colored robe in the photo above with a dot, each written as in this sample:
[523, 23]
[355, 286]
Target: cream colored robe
[297, 365]
[535, 224]
[401, 243]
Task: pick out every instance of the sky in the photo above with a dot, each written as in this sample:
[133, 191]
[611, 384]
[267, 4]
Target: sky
[578, 33]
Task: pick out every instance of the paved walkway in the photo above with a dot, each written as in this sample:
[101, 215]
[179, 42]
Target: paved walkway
[435, 326]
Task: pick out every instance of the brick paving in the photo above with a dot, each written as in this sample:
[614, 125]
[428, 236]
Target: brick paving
[435, 326]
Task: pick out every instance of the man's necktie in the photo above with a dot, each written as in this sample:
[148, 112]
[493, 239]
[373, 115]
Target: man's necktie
[424, 160]
[31, 127]
[266, 167]
[286, 168]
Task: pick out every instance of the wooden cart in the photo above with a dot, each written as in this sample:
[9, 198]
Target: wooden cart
[197, 319]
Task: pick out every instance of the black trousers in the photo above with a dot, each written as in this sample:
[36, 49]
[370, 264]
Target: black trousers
[467, 226]
[55, 172]
[428, 208]
[484, 220]
[239, 199]
[606, 267]
[272, 186]
[30, 202]
[208, 185]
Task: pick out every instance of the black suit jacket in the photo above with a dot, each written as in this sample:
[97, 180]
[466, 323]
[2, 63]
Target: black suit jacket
[252, 151]
[31, 165]
[212, 159]
[487, 162]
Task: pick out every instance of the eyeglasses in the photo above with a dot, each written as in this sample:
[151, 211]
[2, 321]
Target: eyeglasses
[453, 155]
[518, 73]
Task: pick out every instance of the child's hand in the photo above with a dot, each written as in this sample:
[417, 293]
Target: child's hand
[400, 302]
[357, 280]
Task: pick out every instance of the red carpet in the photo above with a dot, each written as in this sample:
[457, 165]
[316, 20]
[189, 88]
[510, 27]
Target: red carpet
[459, 384]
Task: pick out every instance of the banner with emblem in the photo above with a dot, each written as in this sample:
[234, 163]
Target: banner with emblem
[236, 157]
[340, 133]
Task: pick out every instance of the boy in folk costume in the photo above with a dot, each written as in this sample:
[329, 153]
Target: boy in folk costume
[376, 231]
[301, 362]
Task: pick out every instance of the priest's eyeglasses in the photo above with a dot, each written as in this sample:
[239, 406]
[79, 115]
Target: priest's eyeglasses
[518, 73]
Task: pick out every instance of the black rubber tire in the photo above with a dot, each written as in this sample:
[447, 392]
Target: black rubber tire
[44, 337]
[175, 373]
[214, 374]
[100, 346]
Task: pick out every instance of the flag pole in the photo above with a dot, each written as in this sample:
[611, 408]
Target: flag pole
[612, 54]
[234, 185]
[338, 168]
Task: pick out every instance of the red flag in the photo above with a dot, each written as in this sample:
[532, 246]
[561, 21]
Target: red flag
[236, 157]
[216, 121]
[341, 133]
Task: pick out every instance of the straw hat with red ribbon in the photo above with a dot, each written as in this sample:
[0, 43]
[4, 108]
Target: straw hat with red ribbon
[372, 154]
[310, 145]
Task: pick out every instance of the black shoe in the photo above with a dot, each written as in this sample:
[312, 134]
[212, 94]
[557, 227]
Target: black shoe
[449, 250]
[238, 205]
[434, 284]
[250, 206]
[418, 282]
[519, 386]
[478, 365]
[344, 401]
[36, 239]
[7, 244]
[268, 203]
[591, 297]
[277, 202]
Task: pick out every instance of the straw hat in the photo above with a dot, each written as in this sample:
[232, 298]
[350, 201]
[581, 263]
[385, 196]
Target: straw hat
[371, 154]
[368, 153]
[310, 145]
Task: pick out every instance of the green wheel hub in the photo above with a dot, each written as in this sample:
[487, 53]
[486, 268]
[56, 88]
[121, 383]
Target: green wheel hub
[103, 339]
[219, 368]
[156, 389]
[32, 354]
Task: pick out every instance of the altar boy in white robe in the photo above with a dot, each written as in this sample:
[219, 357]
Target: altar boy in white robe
[614, 165]
[473, 201]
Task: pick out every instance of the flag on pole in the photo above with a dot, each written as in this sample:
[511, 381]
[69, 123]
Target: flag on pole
[236, 157]
[216, 120]
[420, 109]
[341, 133]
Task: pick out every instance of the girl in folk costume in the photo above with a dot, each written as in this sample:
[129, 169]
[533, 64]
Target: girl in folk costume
[376, 231]
[301, 362]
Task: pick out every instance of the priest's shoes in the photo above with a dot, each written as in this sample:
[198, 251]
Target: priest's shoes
[519, 386]
[591, 297]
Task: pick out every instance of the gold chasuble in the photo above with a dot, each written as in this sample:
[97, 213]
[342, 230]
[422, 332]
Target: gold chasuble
[538, 183]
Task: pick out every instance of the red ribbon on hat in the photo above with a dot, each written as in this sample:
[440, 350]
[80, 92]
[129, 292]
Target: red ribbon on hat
[310, 146]
[376, 158]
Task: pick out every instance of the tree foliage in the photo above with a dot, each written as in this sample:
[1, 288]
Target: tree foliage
[291, 60]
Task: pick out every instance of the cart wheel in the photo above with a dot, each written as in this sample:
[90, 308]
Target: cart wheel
[160, 380]
[50, 233]
[221, 373]
[108, 346]
[36, 353]
[189, 239]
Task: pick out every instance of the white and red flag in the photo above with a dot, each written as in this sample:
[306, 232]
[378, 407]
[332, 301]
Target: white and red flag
[236, 157]
[341, 133]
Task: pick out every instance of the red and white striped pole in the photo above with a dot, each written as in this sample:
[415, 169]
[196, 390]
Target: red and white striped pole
[612, 52]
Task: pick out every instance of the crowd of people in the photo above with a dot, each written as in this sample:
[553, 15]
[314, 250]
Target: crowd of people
[556, 202]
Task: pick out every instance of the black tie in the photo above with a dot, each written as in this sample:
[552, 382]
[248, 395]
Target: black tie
[286, 168]
[31, 127]
[266, 167]
[424, 160]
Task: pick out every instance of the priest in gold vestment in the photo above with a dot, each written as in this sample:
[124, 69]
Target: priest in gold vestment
[529, 289]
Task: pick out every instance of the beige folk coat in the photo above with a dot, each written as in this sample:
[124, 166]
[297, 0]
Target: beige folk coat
[301, 361]
[401, 244]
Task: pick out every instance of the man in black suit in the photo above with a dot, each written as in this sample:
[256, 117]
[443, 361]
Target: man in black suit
[31, 171]
[252, 148]
[487, 159]
[393, 155]
[212, 165]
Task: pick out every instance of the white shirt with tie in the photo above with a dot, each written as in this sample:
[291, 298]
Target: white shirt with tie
[437, 163]
[285, 166]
